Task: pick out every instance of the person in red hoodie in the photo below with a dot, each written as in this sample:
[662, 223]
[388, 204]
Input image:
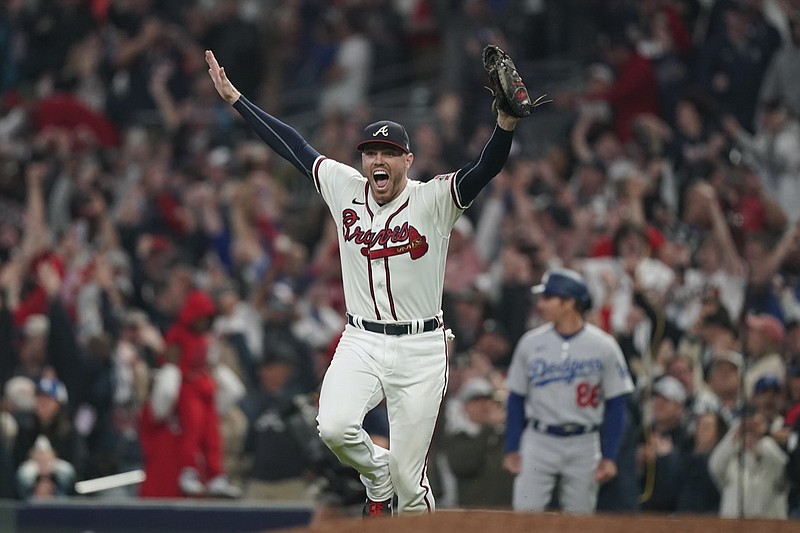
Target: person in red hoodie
[188, 346]
[635, 90]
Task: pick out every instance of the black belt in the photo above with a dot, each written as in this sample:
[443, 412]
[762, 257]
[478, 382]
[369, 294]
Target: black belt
[564, 430]
[393, 328]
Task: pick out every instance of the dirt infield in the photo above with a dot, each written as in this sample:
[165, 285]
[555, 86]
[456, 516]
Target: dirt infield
[507, 522]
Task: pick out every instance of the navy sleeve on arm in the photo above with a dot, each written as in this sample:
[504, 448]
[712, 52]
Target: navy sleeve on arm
[282, 138]
[613, 426]
[475, 175]
[515, 421]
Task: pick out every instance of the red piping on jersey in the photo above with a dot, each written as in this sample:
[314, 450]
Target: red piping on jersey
[316, 172]
[386, 261]
[366, 200]
[367, 258]
[453, 191]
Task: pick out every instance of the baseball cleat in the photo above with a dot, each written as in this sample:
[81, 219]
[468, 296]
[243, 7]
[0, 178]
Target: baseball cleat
[373, 509]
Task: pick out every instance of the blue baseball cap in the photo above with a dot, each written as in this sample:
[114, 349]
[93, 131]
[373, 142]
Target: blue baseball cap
[564, 283]
[768, 383]
[385, 132]
[53, 388]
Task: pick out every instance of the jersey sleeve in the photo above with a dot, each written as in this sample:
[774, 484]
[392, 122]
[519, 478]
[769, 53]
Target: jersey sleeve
[337, 183]
[441, 200]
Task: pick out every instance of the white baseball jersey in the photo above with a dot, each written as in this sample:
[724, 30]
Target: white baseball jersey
[567, 380]
[400, 247]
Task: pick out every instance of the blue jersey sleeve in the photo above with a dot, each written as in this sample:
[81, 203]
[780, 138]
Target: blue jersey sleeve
[613, 426]
[515, 421]
[282, 138]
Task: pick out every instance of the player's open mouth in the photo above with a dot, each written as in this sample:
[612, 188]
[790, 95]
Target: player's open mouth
[381, 178]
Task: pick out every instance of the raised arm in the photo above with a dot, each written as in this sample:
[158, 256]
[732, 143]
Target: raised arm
[476, 174]
[282, 138]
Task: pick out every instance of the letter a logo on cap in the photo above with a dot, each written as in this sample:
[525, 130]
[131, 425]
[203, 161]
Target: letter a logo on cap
[383, 130]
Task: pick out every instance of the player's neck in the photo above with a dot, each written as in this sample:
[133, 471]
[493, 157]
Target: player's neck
[569, 325]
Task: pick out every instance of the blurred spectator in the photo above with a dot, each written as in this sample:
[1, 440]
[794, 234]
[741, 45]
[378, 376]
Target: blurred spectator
[664, 444]
[189, 347]
[732, 63]
[615, 281]
[237, 39]
[775, 151]
[662, 37]
[33, 346]
[724, 378]
[475, 443]
[159, 439]
[16, 411]
[716, 272]
[699, 400]
[783, 73]
[792, 393]
[635, 89]
[237, 316]
[279, 465]
[346, 81]
[44, 475]
[467, 263]
[51, 29]
[697, 493]
[467, 311]
[52, 422]
[748, 467]
[769, 400]
[763, 341]
[792, 421]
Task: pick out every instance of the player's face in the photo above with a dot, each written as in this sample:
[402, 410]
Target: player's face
[554, 308]
[386, 170]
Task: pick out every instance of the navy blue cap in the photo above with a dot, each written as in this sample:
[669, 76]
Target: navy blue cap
[565, 283]
[768, 383]
[387, 132]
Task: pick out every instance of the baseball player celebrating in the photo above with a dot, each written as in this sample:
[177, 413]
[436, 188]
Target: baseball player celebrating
[568, 380]
[393, 235]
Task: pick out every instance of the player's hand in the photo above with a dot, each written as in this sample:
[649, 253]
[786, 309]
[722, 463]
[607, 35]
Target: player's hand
[606, 471]
[512, 462]
[224, 87]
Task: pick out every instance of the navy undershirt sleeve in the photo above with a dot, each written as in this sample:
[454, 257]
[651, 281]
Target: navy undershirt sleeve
[515, 421]
[613, 426]
[475, 175]
[282, 138]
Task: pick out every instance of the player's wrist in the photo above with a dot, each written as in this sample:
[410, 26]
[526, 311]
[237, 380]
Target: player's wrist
[507, 122]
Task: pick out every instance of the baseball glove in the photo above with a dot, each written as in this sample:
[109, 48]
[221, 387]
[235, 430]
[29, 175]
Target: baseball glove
[505, 84]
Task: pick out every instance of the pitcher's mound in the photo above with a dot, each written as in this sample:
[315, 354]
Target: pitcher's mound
[452, 521]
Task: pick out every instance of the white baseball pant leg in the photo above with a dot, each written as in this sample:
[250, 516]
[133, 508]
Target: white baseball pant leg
[411, 373]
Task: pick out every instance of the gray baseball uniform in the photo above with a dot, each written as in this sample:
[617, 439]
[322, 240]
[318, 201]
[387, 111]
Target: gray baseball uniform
[565, 382]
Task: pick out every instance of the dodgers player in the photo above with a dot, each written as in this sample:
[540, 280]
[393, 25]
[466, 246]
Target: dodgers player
[567, 380]
[393, 236]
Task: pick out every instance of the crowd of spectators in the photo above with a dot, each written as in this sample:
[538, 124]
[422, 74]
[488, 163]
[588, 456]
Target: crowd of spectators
[127, 185]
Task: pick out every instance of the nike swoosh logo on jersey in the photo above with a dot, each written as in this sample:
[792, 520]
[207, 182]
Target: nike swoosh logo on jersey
[355, 201]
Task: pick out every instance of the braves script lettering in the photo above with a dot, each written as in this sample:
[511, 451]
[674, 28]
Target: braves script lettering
[416, 244]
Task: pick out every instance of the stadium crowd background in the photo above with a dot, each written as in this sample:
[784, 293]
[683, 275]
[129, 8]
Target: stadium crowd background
[667, 170]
